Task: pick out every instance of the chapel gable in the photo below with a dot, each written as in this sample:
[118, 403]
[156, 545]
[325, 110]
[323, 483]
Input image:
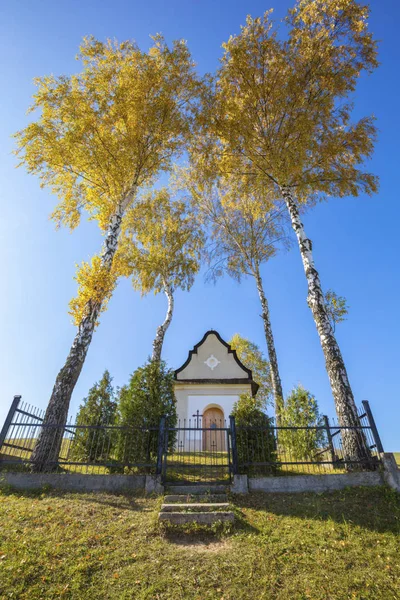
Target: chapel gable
[212, 359]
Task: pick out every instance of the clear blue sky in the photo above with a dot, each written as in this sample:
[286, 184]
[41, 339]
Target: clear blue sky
[356, 241]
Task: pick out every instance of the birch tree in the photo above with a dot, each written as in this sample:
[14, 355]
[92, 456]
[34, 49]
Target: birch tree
[244, 235]
[160, 250]
[281, 111]
[100, 136]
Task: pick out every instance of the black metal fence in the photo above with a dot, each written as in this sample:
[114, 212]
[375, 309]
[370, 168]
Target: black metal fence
[99, 449]
[197, 450]
[194, 450]
[311, 450]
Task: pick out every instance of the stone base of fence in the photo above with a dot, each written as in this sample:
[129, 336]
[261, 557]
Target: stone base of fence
[240, 484]
[390, 475]
[305, 483]
[391, 471]
[153, 485]
[314, 483]
[77, 482]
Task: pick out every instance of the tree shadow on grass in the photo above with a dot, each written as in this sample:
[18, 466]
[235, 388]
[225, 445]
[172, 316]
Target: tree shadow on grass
[133, 501]
[121, 501]
[206, 541]
[375, 508]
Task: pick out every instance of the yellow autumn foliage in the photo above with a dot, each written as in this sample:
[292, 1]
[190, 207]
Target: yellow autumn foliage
[95, 286]
[105, 132]
[161, 243]
[278, 111]
[246, 225]
[114, 125]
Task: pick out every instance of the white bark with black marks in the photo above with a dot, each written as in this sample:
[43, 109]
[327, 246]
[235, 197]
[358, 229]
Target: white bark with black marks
[161, 330]
[353, 440]
[273, 361]
[47, 449]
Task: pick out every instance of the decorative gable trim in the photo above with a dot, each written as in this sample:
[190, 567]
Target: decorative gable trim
[249, 378]
[254, 385]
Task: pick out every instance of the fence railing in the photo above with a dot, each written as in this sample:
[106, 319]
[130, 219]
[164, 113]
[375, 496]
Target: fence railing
[325, 447]
[197, 451]
[103, 448]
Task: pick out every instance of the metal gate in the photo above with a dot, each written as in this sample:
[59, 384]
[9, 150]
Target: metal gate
[197, 451]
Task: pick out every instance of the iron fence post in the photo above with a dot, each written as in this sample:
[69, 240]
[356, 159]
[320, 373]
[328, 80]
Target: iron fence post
[330, 441]
[373, 426]
[232, 426]
[160, 449]
[9, 418]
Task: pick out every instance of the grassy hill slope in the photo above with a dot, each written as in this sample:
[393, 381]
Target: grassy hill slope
[284, 546]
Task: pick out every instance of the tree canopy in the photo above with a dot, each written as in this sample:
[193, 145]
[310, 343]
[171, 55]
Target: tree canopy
[110, 128]
[279, 114]
[246, 226]
[161, 244]
[99, 137]
[104, 133]
[277, 111]
[148, 396]
[253, 358]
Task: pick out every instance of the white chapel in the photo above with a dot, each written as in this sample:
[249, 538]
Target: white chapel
[209, 383]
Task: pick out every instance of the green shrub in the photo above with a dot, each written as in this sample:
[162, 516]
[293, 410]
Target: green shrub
[99, 408]
[255, 438]
[301, 410]
[148, 397]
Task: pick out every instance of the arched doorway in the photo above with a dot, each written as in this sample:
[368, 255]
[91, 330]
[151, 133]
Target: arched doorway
[214, 433]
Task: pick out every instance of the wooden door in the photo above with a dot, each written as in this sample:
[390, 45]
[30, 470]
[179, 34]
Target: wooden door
[212, 422]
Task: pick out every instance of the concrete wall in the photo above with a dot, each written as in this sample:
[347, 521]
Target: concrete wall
[314, 483]
[151, 484]
[392, 472]
[75, 481]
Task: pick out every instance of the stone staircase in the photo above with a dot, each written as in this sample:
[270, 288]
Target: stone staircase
[202, 504]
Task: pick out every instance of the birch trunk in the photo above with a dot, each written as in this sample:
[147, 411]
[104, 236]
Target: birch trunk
[161, 330]
[275, 377]
[354, 444]
[47, 448]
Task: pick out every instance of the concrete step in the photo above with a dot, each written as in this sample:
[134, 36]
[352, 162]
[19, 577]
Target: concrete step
[202, 518]
[188, 498]
[187, 506]
[208, 488]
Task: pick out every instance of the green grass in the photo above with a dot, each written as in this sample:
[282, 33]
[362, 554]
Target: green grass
[397, 457]
[181, 465]
[189, 466]
[343, 545]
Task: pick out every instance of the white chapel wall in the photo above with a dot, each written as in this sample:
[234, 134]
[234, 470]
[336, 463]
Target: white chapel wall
[190, 398]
